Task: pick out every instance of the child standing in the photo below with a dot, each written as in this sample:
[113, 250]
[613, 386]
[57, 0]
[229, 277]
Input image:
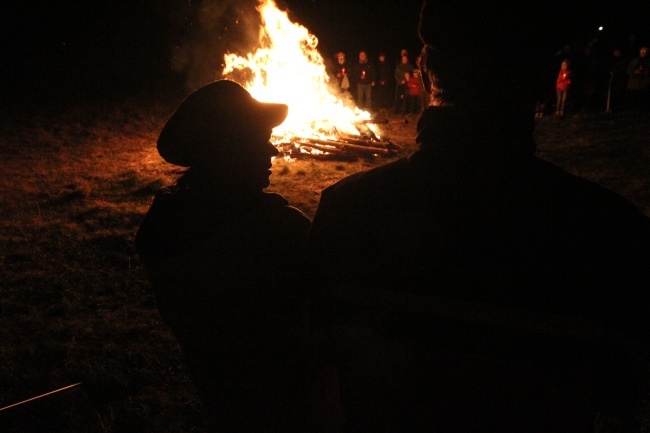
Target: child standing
[562, 87]
[414, 84]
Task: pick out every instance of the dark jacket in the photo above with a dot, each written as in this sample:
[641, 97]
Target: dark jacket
[400, 70]
[384, 73]
[638, 72]
[221, 264]
[364, 73]
[226, 280]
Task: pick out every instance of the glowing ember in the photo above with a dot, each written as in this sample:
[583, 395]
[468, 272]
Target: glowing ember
[288, 68]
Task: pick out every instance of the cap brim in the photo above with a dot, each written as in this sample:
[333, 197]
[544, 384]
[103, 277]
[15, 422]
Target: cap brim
[272, 114]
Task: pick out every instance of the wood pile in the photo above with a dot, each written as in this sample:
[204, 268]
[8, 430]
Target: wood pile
[342, 144]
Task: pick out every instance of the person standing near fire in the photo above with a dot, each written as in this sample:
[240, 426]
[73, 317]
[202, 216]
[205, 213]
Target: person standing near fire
[414, 84]
[365, 79]
[401, 88]
[562, 88]
[381, 94]
[638, 82]
[222, 257]
[340, 74]
[617, 68]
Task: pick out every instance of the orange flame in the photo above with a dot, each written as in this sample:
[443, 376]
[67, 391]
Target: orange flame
[288, 68]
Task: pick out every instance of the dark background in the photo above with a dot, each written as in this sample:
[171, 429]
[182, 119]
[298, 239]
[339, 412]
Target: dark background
[72, 50]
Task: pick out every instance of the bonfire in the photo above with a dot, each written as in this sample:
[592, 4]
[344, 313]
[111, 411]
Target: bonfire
[287, 68]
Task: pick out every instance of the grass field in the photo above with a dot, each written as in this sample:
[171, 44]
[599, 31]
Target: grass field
[75, 183]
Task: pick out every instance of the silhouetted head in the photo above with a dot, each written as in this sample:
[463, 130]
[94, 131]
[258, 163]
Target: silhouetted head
[487, 54]
[222, 131]
[484, 63]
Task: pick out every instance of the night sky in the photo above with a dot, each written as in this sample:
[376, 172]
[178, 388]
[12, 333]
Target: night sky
[79, 49]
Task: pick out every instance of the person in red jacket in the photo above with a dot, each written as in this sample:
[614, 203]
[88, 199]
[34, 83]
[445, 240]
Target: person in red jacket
[414, 84]
[562, 87]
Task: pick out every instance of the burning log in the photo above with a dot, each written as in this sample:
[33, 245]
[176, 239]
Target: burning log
[382, 121]
[390, 145]
[345, 145]
[364, 142]
[365, 131]
[319, 147]
[368, 150]
[342, 143]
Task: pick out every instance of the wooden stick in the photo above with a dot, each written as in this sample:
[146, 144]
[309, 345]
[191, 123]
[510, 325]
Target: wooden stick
[372, 122]
[392, 144]
[362, 149]
[362, 142]
[327, 142]
[320, 147]
[366, 149]
[345, 146]
[346, 140]
[65, 388]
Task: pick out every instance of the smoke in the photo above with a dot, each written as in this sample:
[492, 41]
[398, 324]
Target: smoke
[205, 31]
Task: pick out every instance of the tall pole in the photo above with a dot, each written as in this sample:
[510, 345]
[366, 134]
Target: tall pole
[609, 91]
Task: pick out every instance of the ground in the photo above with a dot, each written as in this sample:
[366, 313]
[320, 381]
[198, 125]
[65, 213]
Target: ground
[75, 303]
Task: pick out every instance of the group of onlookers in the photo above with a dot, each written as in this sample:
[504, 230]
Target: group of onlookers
[599, 79]
[595, 79]
[379, 85]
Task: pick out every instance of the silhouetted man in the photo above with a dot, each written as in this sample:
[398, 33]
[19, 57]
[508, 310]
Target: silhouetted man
[474, 286]
[222, 257]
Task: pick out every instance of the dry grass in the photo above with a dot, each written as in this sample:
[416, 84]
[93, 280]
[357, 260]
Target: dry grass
[75, 304]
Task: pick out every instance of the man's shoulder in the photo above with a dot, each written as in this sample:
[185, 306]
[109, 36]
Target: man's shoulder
[369, 179]
[581, 195]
